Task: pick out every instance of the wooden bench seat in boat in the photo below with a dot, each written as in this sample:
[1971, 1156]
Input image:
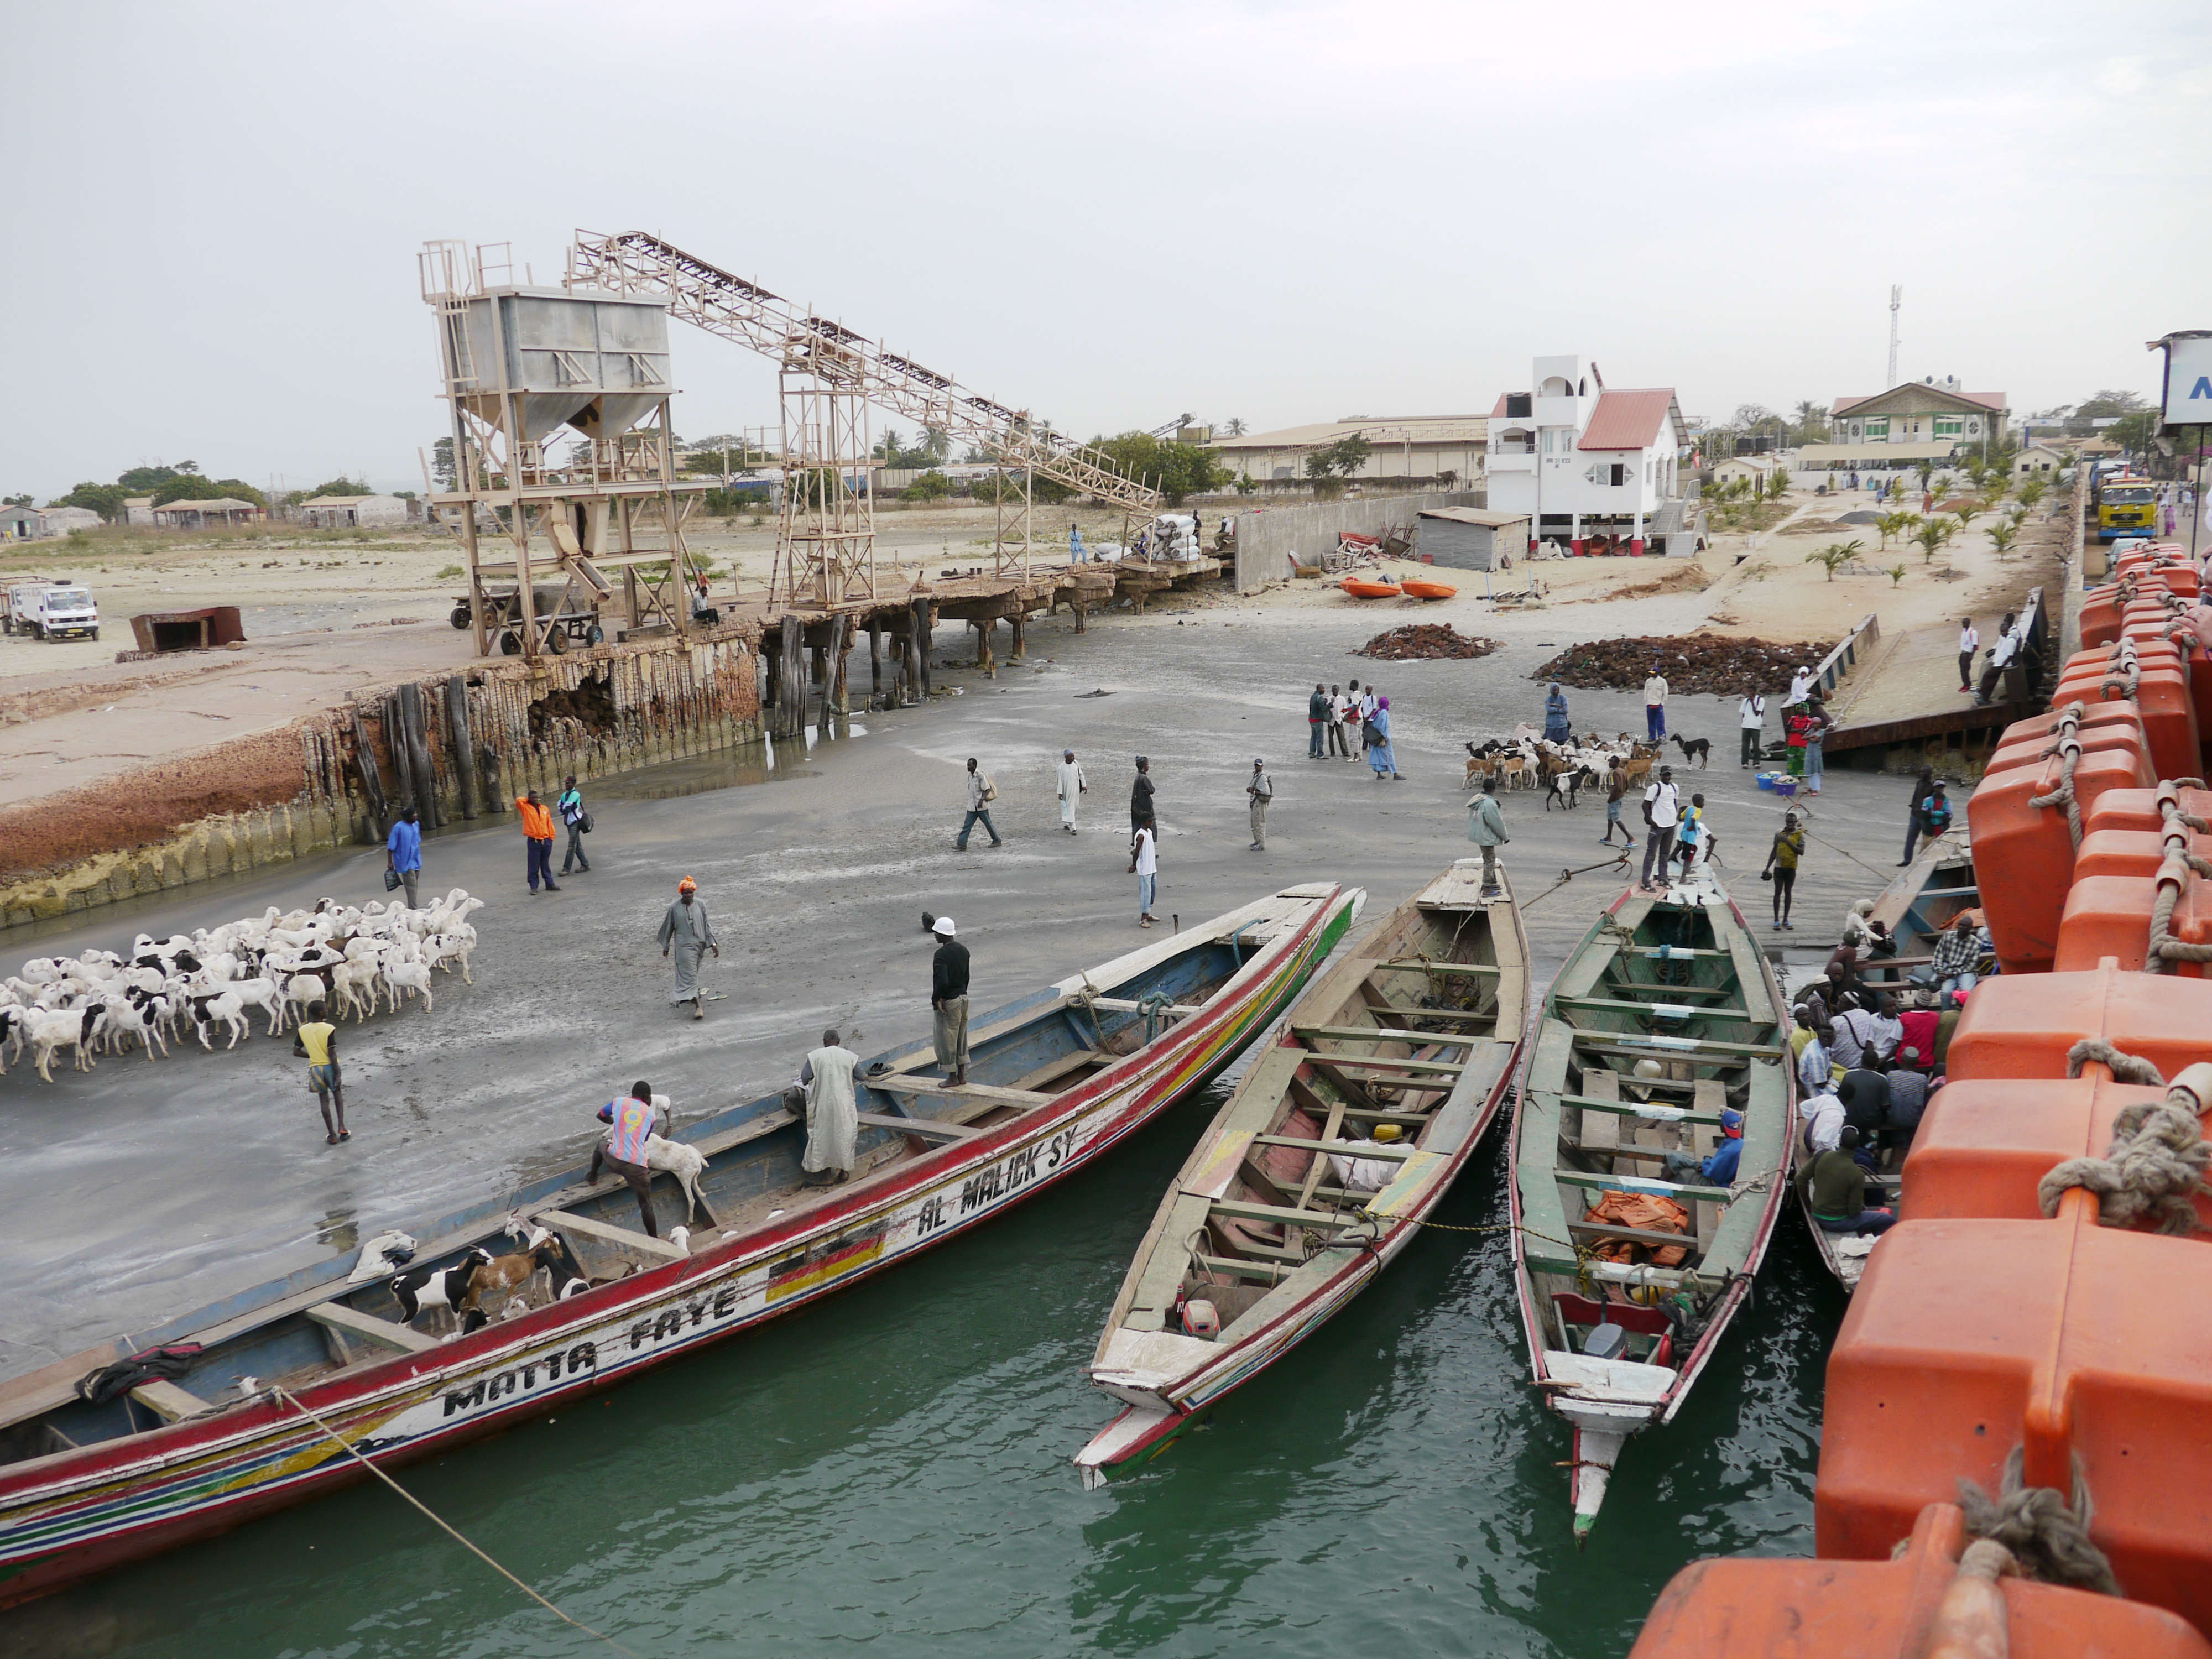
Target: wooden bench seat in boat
[914, 1086]
[169, 1402]
[384, 1333]
[605, 1232]
[928, 1128]
[1384, 1034]
[1659, 1006]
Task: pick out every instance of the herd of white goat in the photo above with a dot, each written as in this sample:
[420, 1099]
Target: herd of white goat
[276, 964]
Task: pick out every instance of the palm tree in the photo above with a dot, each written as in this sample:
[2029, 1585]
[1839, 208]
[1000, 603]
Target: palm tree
[2030, 491]
[1926, 469]
[2002, 536]
[1894, 524]
[1966, 513]
[1929, 538]
[1835, 554]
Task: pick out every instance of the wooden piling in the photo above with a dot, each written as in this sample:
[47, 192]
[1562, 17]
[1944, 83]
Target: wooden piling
[463, 750]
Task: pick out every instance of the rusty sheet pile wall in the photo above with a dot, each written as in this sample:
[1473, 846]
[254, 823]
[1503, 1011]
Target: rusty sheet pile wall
[457, 747]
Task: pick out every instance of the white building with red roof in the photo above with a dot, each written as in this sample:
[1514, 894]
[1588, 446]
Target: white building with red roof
[1596, 467]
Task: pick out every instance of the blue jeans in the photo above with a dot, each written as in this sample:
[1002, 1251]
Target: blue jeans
[1655, 719]
[1147, 885]
[981, 814]
[1313, 744]
[1866, 1221]
[1813, 770]
[541, 860]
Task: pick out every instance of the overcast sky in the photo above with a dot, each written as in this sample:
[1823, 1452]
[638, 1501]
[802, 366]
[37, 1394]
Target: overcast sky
[1107, 214]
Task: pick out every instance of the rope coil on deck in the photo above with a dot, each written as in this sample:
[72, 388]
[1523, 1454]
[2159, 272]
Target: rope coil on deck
[2155, 1167]
[2046, 1535]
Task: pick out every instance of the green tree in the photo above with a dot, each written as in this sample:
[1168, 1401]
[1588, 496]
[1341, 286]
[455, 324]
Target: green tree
[1926, 469]
[2134, 432]
[931, 486]
[1930, 539]
[1341, 458]
[15, 500]
[337, 486]
[1833, 557]
[2033, 489]
[190, 486]
[441, 465]
[1812, 422]
[1966, 513]
[2003, 536]
[1176, 470]
[2105, 405]
[1896, 574]
[1894, 524]
[107, 500]
[1234, 426]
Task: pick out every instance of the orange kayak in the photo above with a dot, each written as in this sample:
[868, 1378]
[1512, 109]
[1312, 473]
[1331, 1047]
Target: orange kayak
[1430, 589]
[1361, 589]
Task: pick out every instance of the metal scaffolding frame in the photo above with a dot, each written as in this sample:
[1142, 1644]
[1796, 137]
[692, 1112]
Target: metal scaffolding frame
[611, 507]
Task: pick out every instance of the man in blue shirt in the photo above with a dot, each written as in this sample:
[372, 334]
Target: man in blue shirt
[403, 852]
[1718, 1168]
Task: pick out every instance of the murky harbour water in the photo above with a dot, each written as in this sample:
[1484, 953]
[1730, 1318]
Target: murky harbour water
[891, 1468]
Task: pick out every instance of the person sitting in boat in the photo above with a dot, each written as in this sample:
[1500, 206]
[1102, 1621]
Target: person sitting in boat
[1824, 1120]
[832, 1117]
[1909, 1087]
[632, 1121]
[1833, 1186]
[1816, 1063]
[1854, 1027]
[1888, 1027]
[1956, 956]
[1864, 1092]
[1719, 1167]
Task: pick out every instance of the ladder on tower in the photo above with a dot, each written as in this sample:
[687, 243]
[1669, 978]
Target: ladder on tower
[710, 298]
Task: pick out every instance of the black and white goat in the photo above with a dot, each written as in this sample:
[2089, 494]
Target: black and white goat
[438, 1287]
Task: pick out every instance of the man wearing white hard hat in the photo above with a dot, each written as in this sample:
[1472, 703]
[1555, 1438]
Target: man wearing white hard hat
[948, 1001]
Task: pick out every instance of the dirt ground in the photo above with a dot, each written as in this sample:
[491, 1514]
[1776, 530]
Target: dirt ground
[326, 613]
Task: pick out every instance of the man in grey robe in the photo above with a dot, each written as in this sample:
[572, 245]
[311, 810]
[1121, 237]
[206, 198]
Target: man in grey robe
[686, 932]
[833, 1120]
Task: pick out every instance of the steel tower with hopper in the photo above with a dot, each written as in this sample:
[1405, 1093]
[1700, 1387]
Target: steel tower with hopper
[560, 403]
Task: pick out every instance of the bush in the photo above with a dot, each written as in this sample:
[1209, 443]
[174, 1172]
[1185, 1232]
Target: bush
[450, 572]
[931, 486]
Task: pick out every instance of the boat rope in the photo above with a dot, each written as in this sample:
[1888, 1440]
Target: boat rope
[2154, 1166]
[2069, 756]
[2164, 949]
[2068, 723]
[2046, 1533]
[2123, 672]
[1566, 876]
[2124, 1067]
[347, 1447]
[1154, 1006]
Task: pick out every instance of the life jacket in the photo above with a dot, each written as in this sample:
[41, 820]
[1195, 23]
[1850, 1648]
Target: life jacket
[632, 1122]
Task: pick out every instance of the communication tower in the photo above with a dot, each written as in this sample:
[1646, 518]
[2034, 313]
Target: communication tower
[1896, 298]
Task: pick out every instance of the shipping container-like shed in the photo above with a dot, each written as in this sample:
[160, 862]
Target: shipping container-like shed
[1472, 538]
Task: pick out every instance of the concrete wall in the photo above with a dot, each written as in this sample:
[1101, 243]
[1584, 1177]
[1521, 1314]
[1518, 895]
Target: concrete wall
[1267, 539]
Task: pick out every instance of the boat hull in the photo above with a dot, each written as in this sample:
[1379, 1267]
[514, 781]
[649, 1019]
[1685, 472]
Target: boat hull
[68, 1516]
[1163, 1403]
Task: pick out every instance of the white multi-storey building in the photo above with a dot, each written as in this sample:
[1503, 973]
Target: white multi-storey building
[1595, 467]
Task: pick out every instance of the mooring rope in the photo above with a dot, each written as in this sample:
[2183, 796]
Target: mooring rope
[2164, 950]
[2154, 1166]
[347, 1447]
[2124, 1067]
[2044, 1534]
[2070, 749]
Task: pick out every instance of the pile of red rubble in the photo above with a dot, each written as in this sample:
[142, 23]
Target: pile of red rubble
[1710, 663]
[1426, 642]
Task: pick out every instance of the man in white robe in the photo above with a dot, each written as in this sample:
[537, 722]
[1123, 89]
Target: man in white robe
[1072, 785]
[832, 1121]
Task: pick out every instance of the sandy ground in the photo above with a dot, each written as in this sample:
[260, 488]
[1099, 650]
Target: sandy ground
[139, 1190]
[327, 614]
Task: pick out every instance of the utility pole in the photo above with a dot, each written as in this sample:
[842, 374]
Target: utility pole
[1896, 298]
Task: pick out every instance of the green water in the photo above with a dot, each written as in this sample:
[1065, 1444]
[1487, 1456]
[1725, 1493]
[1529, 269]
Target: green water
[890, 1470]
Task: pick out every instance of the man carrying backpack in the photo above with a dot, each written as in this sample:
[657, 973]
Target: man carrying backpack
[982, 791]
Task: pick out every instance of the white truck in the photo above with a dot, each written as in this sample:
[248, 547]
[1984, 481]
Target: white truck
[51, 611]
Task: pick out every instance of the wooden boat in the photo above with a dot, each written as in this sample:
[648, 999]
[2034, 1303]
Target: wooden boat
[1263, 1236]
[1361, 588]
[1427, 590]
[1055, 1080]
[1918, 908]
[1665, 1015]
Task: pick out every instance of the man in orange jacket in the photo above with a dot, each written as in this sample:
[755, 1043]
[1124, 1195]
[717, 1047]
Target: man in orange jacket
[538, 836]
